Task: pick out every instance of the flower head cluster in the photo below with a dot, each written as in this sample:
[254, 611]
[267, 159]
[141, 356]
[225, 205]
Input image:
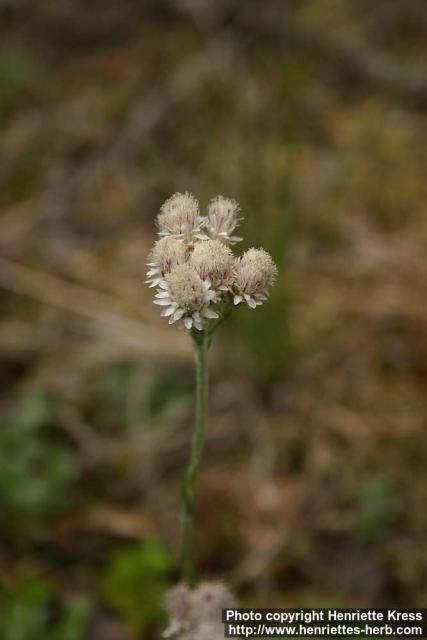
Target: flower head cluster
[193, 267]
[196, 615]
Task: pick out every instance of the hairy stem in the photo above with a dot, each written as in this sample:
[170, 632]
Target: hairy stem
[201, 341]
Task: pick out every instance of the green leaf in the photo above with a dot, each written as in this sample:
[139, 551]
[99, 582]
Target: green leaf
[379, 507]
[135, 582]
[37, 473]
[20, 78]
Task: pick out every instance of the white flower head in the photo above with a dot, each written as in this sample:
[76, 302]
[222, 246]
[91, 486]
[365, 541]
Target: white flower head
[223, 219]
[209, 599]
[214, 262]
[208, 630]
[167, 253]
[186, 297]
[197, 615]
[179, 609]
[178, 602]
[255, 272]
[180, 217]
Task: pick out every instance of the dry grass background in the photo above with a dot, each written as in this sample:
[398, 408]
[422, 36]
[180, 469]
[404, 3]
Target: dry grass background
[312, 115]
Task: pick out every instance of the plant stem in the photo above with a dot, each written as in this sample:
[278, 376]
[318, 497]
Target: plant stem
[201, 341]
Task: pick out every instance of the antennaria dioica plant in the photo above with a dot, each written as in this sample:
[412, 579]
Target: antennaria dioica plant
[198, 282]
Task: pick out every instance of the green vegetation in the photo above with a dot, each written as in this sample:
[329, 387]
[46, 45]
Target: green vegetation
[37, 470]
[28, 612]
[135, 583]
[379, 507]
[20, 78]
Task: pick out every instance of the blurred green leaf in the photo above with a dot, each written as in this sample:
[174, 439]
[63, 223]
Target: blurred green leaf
[31, 410]
[267, 333]
[119, 397]
[36, 472]
[167, 391]
[135, 582]
[74, 620]
[26, 610]
[105, 398]
[20, 77]
[379, 507]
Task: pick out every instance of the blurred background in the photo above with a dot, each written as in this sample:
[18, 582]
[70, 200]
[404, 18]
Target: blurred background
[312, 114]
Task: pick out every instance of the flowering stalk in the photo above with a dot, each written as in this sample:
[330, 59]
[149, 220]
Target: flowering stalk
[201, 345]
[198, 282]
